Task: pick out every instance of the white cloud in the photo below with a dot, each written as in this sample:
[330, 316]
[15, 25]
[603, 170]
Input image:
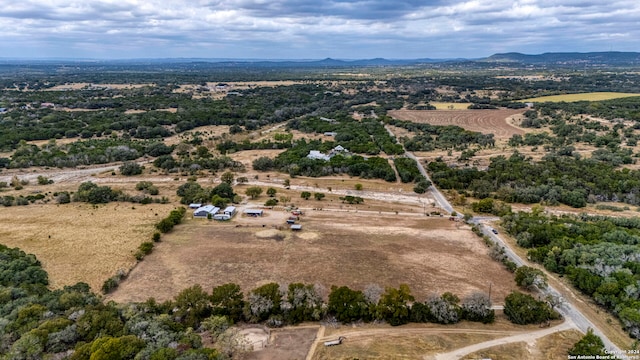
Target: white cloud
[300, 28]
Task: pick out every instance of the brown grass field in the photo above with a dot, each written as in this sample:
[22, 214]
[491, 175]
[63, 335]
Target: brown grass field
[497, 122]
[424, 341]
[450, 105]
[550, 347]
[431, 255]
[80, 242]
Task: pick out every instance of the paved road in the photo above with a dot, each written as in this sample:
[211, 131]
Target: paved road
[565, 309]
[437, 195]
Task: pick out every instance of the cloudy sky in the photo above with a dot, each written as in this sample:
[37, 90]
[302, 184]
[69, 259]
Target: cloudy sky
[313, 29]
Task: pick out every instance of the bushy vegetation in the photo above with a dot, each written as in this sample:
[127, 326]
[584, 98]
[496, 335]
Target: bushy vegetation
[175, 217]
[600, 255]
[554, 180]
[294, 161]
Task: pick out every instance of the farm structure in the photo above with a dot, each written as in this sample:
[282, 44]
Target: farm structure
[195, 205]
[226, 214]
[254, 212]
[296, 227]
[206, 211]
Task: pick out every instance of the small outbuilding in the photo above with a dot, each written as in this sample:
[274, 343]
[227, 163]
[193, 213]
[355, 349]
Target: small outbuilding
[296, 227]
[254, 212]
[230, 210]
[195, 205]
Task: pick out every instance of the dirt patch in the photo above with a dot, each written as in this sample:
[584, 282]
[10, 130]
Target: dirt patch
[286, 344]
[255, 338]
[485, 121]
[431, 255]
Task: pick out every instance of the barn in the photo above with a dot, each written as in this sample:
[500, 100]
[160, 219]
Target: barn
[205, 211]
[254, 212]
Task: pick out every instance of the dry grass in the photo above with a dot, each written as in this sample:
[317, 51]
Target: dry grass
[411, 341]
[450, 105]
[592, 96]
[497, 122]
[551, 347]
[79, 242]
[79, 86]
[429, 254]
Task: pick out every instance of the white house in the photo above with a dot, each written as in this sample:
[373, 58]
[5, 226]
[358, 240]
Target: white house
[317, 155]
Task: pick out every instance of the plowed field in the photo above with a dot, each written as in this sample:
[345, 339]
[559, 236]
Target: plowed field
[497, 122]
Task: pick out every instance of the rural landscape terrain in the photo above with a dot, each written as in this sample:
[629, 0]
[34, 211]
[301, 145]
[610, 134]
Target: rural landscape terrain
[183, 209]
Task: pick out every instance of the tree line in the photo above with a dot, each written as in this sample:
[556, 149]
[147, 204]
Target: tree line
[553, 180]
[600, 255]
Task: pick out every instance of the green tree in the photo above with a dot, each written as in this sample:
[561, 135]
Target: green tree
[130, 169]
[253, 191]
[121, 348]
[528, 277]
[228, 300]
[394, 305]
[192, 305]
[348, 305]
[305, 195]
[523, 309]
[271, 192]
[318, 196]
[227, 177]
[224, 190]
[28, 347]
[590, 344]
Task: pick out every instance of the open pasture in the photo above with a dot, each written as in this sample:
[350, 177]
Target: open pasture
[592, 96]
[79, 242]
[431, 255]
[450, 105]
[497, 122]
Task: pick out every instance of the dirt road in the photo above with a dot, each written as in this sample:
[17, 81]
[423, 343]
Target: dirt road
[528, 337]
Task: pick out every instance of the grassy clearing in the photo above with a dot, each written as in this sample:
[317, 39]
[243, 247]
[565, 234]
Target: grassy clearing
[593, 96]
[80, 242]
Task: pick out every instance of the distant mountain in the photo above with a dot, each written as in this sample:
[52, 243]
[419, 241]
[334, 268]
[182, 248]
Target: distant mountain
[569, 58]
[610, 58]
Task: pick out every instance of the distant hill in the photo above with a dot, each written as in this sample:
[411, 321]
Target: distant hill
[569, 58]
[610, 58]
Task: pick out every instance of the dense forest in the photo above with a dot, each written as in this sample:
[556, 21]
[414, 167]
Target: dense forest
[553, 180]
[599, 254]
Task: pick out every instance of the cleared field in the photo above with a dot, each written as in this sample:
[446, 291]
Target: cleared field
[80, 242]
[450, 105]
[497, 122]
[431, 255]
[592, 96]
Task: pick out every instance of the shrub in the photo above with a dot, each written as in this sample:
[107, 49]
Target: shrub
[156, 237]
[130, 169]
[271, 202]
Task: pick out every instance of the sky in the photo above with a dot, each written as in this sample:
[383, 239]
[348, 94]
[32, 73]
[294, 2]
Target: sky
[313, 29]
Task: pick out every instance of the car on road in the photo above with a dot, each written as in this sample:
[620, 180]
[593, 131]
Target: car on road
[494, 231]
